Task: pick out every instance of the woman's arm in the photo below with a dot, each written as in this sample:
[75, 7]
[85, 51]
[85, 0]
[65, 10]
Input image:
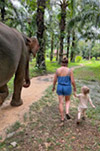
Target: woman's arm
[73, 81]
[54, 81]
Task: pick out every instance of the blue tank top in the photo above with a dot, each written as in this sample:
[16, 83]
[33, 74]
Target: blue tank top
[64, 80]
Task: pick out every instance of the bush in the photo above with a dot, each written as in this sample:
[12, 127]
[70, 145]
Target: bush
[78, 59]
[93, 58]
[98, 58]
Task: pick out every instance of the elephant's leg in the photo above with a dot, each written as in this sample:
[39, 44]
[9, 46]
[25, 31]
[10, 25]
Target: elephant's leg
[3, 93]
[18, 83]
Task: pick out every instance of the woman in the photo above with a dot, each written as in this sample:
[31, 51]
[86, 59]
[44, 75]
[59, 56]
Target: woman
[64, 77]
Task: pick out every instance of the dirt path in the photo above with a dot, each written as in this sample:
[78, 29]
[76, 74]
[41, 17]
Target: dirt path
[9, 115]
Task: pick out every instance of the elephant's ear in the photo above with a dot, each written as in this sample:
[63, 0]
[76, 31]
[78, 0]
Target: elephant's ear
[27, 40]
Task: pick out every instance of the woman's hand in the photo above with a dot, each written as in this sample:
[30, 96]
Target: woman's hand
[53, 88]
[74, 93]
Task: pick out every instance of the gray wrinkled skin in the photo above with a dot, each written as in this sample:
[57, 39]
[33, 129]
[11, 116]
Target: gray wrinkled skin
[15, 49]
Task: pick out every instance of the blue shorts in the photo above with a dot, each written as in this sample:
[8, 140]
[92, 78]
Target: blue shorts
[64, 90]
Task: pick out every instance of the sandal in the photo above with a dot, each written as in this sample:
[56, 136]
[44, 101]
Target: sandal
[83, 118]
[68, 117]
[62, 120]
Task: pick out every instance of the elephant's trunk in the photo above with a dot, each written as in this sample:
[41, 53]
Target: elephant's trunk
[27, 79]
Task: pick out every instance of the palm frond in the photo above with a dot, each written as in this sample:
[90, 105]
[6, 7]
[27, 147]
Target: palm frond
[88, 16]
[73, 22]
[94, 3]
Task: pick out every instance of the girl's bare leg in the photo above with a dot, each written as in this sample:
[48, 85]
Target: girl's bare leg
[84, 114]
[79, 115]
[60, 97]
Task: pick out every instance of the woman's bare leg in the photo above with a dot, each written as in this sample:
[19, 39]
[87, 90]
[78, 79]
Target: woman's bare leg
[67, 99]
[60, 97]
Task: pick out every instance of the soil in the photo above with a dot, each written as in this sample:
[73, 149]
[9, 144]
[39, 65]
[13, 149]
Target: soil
[9, 114]
[42, 129]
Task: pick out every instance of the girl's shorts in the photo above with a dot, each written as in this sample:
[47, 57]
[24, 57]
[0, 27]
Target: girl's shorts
[64, 90]
[81, 109]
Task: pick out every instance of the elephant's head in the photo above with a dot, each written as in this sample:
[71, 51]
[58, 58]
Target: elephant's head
[32, 44]
[32, 47]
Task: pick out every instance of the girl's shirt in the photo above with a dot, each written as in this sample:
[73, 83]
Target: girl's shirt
[84, 99]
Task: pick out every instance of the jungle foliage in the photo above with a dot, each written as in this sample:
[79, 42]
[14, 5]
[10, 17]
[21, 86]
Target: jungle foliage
[63, 28]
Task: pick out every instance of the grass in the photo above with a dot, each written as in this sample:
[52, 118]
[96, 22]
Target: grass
[14, 127]
[90, 72]
[51, 67]
[43, 131]
[34, 71]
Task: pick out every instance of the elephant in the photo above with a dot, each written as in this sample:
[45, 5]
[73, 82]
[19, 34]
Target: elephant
[15, 50]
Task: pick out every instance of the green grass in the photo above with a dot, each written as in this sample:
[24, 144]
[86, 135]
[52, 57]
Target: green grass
[51, 67]
[90, 72]
[34, 71]
[14, 127]
[43, 131]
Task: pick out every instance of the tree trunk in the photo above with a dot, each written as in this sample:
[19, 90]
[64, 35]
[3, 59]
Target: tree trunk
[51, 54]
[62, 25]
[40, 60]
[68, 43]
[57, 55]
[3, 11]
[73, 47]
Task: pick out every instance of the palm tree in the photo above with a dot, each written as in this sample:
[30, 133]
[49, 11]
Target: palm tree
[68, 44]
[41, 4]
[3, 10]
[88, 17]
[62, 24]
[72, 14]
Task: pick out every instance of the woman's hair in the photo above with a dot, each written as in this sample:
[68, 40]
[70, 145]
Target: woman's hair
[85, 90]
[64, 61]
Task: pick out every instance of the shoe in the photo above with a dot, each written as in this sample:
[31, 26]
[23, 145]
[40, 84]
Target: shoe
[68, 117]
[83, 118]
[62, 121]
[77, 122]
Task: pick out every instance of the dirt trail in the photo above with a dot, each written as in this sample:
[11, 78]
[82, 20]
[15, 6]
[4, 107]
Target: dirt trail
[9, 115]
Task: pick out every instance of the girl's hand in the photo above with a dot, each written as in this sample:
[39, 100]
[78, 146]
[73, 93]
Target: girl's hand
[94, 107]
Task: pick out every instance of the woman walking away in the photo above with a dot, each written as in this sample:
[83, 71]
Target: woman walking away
[64, 77]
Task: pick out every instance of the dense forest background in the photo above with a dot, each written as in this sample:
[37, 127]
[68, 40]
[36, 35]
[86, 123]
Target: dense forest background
[63, 27]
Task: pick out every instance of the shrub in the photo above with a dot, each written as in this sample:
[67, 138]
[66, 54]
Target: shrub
[93, 58]
[78, 59]
[98, 58]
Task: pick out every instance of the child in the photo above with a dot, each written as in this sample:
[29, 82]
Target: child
[83, 105]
